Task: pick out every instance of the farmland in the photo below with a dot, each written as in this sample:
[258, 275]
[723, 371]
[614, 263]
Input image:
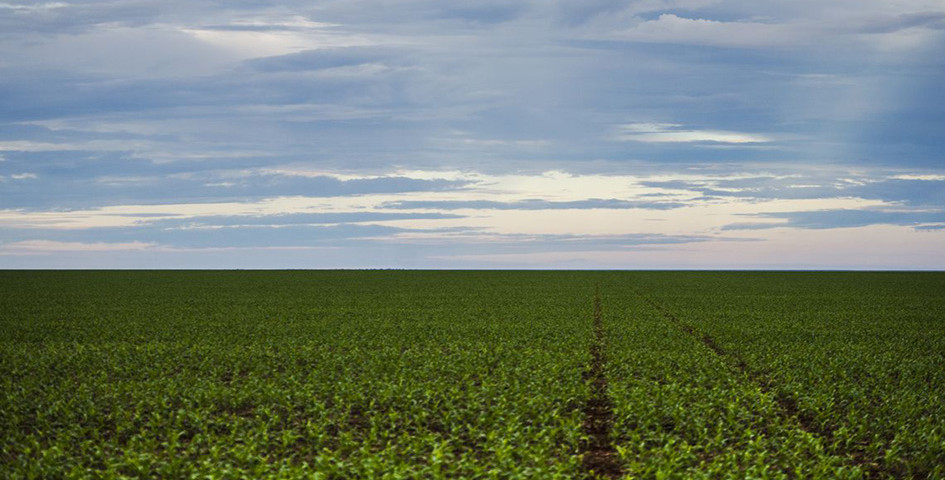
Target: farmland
[409, 374]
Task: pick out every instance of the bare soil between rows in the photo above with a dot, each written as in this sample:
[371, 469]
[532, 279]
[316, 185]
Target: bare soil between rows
[599, 457]
[788, 405]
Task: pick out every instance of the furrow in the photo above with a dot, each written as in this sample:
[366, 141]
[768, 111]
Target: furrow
[599, 457]
[786, 405]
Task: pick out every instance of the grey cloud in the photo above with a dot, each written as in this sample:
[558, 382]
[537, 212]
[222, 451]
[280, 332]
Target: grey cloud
[890, 24]
[405, 15]
[288, 220]
[485, 12]
[577, 13]
[673, 184]
[825, 219]
[565, 91]
[67, 180]
[284, 236]
[326, 58]
[288, 236]
[347, 247]
[789, 193]
[77, 17]
[533, 204]
[453, 85]
[630, 240]
[909, 192]
[450, 241]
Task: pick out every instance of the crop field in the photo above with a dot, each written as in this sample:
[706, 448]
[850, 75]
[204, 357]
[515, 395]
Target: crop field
[423, 374]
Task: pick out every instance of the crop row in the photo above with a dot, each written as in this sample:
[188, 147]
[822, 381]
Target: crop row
[287, 375]
[858, 355]
[683, 412]
[470, 374]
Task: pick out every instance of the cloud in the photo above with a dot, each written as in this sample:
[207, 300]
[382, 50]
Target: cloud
[894, 23]
[245, 40]
[417, 128]
[920, 176]
[671, 28]
[924, 191]
[117, 180]
[276, 211]
[291, 220]
[675, 133]
[43, 19]
[40, 7]
[915, 190]
[531, 204]
[31, 146]
[828, 219]
[759, 31]
[329, 58]
[41, 247]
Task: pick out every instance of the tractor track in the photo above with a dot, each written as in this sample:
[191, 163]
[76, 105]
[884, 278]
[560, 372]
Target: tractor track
[599, 457]
[787, 406]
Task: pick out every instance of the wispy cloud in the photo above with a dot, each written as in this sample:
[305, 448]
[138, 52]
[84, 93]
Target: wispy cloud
[532, 204]
[430, 133]
[46, 247]
[24, 176]
[672, 28]
[39, 7]
[267, 37]
[842, 218]
[676, 133]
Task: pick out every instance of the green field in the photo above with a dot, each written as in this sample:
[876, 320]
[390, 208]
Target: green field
[409, 374]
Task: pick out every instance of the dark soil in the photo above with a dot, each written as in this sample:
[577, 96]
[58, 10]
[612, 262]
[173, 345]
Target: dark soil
[598, 453]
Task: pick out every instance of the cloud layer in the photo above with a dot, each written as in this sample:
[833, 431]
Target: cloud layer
[422, 133]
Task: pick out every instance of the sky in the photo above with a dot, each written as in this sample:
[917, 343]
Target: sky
[651, 134]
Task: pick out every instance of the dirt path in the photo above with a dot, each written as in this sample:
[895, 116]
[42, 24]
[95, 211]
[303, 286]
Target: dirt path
[788, 406]
[598, 452]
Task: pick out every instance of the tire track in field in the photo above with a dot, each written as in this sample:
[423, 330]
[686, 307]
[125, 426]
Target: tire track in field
[598, 457]
[788, 408]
